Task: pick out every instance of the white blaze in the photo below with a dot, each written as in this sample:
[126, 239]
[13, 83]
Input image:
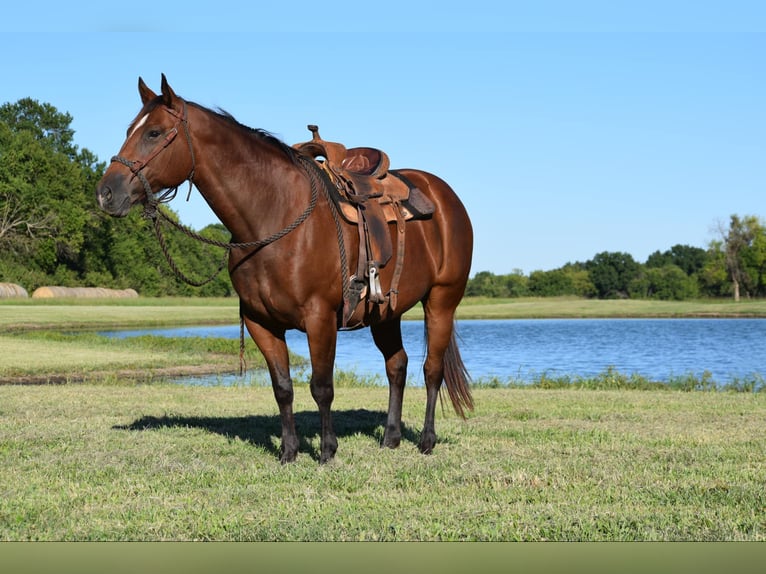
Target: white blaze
[141, 122]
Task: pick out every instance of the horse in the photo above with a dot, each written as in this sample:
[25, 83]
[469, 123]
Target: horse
[259, 187]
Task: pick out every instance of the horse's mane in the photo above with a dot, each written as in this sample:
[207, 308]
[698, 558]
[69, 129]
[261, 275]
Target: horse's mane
[258, 133]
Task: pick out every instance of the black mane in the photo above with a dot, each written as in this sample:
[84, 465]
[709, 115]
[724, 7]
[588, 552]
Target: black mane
[261, 134]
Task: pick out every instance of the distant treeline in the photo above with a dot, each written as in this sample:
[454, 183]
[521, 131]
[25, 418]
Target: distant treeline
[734, 266]
[52, 233]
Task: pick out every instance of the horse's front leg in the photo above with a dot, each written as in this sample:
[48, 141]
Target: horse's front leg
[322, 335]
[274, 349]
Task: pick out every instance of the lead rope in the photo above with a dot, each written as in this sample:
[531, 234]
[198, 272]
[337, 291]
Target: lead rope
[242, 364]
[315, 170]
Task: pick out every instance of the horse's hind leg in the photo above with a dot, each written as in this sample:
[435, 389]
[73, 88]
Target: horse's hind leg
[439, 312]
[274, 350]
[388, 338]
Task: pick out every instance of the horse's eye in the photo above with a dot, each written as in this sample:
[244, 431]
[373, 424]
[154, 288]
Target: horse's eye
[153, 134]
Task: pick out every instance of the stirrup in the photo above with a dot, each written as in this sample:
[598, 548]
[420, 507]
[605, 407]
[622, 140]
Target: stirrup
[376, 293]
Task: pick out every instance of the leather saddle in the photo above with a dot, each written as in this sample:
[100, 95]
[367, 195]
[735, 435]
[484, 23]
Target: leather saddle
[362, 173]
[371, 195]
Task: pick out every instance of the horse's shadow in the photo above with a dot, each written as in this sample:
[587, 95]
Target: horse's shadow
[265, 430]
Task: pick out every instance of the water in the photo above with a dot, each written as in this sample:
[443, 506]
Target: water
[658, 349]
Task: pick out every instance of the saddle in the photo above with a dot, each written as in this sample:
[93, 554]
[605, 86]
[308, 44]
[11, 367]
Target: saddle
[370, 195]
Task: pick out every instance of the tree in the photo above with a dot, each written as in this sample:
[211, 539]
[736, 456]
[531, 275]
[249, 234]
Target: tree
[486, 284]
[550, 283]
[611, 273]
[744, 249]
[690, 260]
[516, 283]
[43, 123]
[666, 283]
[579, 277]
[42, 196]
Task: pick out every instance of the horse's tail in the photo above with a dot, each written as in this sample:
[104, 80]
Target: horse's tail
[456, 378]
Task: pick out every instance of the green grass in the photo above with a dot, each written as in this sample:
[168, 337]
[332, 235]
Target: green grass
[49, 356]
[573, 307]
[24, 315]
[561, 458]
[612, 379]
[165, 462]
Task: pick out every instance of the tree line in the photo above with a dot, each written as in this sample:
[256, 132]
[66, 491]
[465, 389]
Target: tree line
[733, 265]
[52, 233]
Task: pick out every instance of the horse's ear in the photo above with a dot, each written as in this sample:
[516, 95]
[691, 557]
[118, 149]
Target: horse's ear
[146, 93]
[168, 95]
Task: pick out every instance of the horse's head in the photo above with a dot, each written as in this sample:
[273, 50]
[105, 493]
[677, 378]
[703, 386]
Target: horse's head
[152, 158]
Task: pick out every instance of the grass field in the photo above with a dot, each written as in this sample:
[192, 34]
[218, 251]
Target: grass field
[572, 307]
[163, 462]
[126, 456]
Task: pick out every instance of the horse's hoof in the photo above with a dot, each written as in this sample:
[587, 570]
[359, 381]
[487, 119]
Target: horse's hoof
[324, 459]
[427, 444]
[392, 442]
[288, 457]
[329, 447]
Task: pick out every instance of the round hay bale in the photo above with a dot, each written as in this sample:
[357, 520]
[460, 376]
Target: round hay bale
[83, 292]
[11, 290]
[43, 293]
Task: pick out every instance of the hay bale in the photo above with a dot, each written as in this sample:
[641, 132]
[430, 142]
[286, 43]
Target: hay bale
[11, 290]
[51, 291]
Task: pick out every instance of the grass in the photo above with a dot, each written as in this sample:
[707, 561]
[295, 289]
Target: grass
[573, 307]
[30, 314]
[166, 462]
[612, 379]
[50, 356]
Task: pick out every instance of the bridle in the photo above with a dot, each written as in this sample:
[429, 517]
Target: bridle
[136, 166]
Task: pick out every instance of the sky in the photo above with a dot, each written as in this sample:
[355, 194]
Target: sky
[566, 128]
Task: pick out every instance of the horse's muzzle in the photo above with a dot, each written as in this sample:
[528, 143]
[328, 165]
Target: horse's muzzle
[112, 200]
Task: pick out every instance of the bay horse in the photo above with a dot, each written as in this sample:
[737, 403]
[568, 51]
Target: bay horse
[260, 187]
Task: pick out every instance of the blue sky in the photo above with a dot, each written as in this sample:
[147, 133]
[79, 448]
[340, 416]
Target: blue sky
[567, 128]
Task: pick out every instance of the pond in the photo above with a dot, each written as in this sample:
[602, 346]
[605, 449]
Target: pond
[522, 349]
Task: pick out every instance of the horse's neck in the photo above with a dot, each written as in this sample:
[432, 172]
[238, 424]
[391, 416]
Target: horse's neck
[248, 185]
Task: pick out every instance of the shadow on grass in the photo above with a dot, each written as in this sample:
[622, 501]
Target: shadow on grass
[265, 430]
